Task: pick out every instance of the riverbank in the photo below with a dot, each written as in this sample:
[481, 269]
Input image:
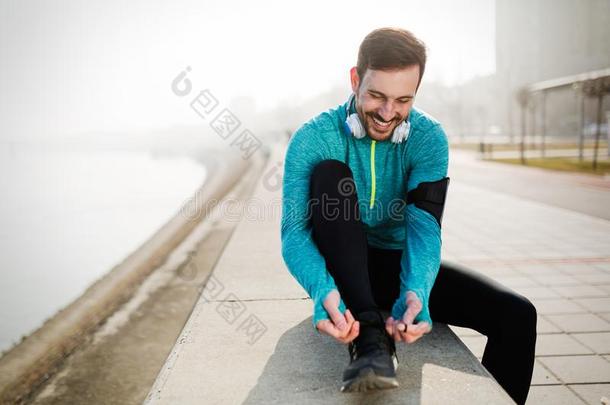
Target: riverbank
[26, 367]
[69, 216]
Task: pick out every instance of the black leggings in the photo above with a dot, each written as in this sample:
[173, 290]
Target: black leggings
[368, 278]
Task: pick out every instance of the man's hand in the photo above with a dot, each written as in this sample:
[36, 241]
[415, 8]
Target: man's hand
[344, 328]
[404, 329]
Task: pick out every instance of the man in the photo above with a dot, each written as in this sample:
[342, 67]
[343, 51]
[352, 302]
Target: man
[363, 195]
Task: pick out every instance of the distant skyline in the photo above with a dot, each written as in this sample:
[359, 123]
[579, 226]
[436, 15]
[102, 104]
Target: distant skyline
[72, 67]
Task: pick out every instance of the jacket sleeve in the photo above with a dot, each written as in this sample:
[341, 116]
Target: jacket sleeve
[299, 250]
[421, 258]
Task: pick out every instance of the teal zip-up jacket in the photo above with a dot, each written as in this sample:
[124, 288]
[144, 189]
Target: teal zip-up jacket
[383, 174]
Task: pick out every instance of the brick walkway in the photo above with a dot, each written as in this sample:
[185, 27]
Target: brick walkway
[560, 260]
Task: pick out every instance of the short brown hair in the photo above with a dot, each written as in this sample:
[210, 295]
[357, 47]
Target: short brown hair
[391, 48]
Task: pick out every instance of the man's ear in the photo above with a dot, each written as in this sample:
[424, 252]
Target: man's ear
[353, 72]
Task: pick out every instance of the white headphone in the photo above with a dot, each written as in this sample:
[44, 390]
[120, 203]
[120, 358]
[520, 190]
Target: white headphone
[355, 127]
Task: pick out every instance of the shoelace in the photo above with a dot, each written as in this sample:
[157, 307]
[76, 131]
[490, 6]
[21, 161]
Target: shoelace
[374, 338]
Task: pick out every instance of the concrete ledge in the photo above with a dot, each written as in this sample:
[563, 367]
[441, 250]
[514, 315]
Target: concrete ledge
[250, 340]
[214, 362]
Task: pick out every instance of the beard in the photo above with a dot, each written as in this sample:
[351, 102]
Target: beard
[382, 127]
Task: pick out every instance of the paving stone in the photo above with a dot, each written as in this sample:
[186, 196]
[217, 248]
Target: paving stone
[578, 369]
[597, 278]
[592, 393]
[580, 322]
[500, 271]
[556, 280]
[580, 291]
[536, 269]
[476, 344]
[595, 304]
[516, 281]
[557, 306]
[604, 266]
[574, 269]
[552, 394]
[537, 292]
[558, 344]
[600, 342]
[544, 326]
[542, 376]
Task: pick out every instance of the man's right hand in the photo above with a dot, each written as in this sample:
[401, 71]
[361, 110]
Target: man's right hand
[344, 328]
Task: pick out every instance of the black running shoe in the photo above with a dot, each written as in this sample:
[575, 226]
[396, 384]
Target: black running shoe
[373, 360]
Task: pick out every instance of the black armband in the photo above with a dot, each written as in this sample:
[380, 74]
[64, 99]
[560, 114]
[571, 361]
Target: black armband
[430, 196]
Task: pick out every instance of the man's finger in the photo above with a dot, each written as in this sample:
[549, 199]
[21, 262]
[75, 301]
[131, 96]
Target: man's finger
[389, 326]
[412, 336]
[403, 330]
[337, 318]
[349, 317]
[350, 321]
[329, 328]
[421, 328]
[411, 339]
[392, 330]
[398, 335]
[353, 334]
[411, 313]
[416, 331]
[350, 324]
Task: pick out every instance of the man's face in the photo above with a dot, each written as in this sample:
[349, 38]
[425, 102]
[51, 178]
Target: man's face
[384, 98]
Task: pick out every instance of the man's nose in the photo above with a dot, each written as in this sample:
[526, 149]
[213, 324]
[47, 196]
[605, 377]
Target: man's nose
[386, 111]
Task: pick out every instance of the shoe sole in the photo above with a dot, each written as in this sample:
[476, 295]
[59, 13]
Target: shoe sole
[367, 380]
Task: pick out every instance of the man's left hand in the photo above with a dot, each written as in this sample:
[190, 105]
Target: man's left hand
[404, 329]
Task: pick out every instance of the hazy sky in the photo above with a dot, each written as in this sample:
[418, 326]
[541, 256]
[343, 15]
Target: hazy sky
[68, 67]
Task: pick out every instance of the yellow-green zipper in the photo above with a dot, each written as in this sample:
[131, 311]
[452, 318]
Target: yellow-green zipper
[372, 174]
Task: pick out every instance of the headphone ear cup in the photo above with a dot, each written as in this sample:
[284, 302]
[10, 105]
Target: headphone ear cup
[354, 124]
[401, 132]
